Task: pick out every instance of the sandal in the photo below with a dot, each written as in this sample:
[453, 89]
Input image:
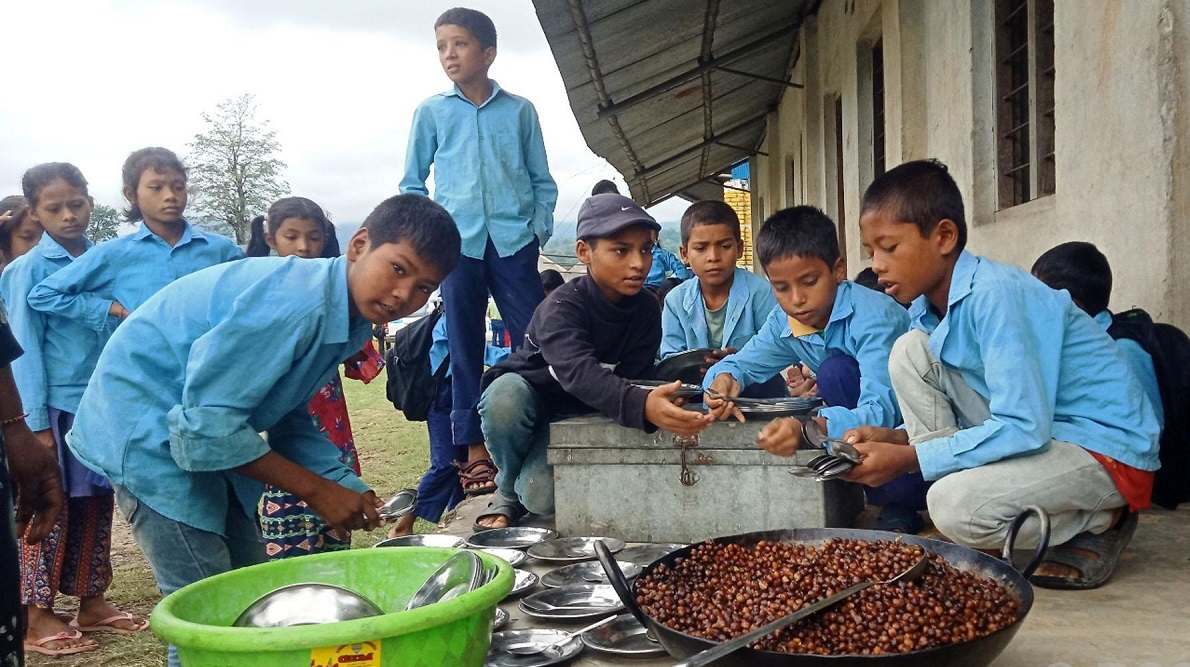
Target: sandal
[39, 646]
[480, 472]
[109, 624]
[1094, 570]
[899, 519]
[510, 509]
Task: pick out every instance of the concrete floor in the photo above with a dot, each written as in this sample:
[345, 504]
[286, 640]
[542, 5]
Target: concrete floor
[1141, 618]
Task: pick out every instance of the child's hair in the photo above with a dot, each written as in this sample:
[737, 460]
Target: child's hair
[282, 210]
[868, 278]
[422, 223]
[551, 280]
[476, 21]
[1079, 268]
[710, 212]
[19, 207]
[42, 175]
[604, 187]
[802, 230]
[156, 158]
[921, 192]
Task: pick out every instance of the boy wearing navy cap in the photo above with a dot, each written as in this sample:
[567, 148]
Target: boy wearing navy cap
[582, 346]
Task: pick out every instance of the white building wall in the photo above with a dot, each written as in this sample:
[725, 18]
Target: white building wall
[1122, 163]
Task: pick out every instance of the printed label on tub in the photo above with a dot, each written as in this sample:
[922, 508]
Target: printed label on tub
[361, 654]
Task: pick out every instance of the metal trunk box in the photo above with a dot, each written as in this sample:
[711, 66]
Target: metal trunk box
[614, 481]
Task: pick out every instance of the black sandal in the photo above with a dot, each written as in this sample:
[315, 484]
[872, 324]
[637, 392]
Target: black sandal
[508, 508]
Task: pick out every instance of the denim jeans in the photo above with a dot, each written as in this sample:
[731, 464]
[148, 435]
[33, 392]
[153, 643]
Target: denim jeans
[514, 283]
[181, 555]
[974, 507]
[517, 429]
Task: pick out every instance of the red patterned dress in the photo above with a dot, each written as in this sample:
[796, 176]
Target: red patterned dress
[289, 526]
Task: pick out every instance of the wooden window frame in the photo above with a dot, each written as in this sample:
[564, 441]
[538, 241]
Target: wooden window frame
[1024, 55]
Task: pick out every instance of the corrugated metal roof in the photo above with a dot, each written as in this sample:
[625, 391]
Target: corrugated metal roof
[668, 90]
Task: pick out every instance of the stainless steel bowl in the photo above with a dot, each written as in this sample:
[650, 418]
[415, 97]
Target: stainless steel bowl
[306, 604]
[429, 540]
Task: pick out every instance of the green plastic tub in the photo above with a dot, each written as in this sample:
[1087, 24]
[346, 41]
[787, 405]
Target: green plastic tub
[198, 618]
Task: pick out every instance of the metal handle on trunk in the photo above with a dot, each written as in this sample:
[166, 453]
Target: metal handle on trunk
[1043, 539]
[615, 577]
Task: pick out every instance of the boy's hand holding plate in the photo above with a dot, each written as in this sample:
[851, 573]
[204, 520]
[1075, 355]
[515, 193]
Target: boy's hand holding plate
[661, 411]
[717, 398]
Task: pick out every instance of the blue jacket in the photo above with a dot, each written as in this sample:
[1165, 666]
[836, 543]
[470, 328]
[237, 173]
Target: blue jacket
[60, 353]
[1043, 365]
[1141, 364]
[863, 325]
[684, 316]
[188, 382]
[665, 264]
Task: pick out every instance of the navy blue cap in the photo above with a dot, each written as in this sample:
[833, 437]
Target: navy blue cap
[604, 215]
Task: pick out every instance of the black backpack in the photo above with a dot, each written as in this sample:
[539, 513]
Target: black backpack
[1170, 348]
[411, 387]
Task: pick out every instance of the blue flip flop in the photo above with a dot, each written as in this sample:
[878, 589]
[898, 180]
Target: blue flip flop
[1094, 571]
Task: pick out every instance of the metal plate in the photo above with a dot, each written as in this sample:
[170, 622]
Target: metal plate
[572, 549]
[523, 581]
[573, 603]
[590, 572]
[552, 656]
[624, 636]
[683, 366]
[643, 554]
[500, 620]
[462, 573]
[516, 537]
[801, 403]
[403, 502]
[685, 391]
[429, 540]
[515, 557]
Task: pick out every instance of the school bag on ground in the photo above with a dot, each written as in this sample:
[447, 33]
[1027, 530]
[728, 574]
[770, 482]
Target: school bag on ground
[1170, 349]
[411, 386]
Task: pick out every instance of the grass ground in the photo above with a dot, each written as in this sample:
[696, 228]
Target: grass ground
[393, 455]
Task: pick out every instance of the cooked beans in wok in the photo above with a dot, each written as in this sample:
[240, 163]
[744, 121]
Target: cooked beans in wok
[723, 590]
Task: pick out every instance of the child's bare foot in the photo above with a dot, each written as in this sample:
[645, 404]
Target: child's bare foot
[44, 625]
[96, 614]
[402, 526]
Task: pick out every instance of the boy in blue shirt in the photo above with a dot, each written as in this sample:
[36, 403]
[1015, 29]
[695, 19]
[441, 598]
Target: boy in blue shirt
[585, 342]
[665, 265]
[724, 306]
[116, 277]
[1001, 383]
[491, 174]
[841, 331]
[186, 384]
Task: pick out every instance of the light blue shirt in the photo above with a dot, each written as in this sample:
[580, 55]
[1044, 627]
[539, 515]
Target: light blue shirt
[490, 169]
[60, 354]
[439, 348]
[1043, 365]
[665, 264]
[128, 269]
[863, 325]
[684, 315]
[190, 379]
[1141, 364]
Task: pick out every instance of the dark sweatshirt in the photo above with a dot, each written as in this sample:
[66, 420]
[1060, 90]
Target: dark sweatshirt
[580, 348]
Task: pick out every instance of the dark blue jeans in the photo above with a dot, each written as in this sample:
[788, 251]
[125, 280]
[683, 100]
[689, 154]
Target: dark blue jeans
[514, 283]
[440, 488]
[838, 384]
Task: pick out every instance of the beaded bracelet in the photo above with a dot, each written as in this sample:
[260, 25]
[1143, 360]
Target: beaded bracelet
[12, 420]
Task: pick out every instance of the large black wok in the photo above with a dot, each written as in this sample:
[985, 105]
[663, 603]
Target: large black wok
[976, 653]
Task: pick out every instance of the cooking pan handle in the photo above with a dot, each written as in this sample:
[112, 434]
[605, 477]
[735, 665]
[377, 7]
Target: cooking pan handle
[1043, 539]
[615, 576]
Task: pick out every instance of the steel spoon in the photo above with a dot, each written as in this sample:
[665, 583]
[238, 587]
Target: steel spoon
[529, 648]
[715, 652]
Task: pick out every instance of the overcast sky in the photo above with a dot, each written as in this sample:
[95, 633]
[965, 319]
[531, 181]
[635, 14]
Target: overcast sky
[89, 81]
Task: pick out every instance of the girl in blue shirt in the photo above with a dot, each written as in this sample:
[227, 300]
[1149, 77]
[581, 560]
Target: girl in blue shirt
[298, 227]
[60, 355]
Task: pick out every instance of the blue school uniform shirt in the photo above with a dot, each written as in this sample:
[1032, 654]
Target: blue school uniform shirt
[490, 168]
[187, 383]
[60, 353]
[1048, 371]
[684, 315]
[665, 264]
[439, 348]
[863, 325]
[128, 269]
[1141, 364]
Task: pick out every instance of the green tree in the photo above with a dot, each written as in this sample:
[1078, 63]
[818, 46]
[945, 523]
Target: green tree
[105, 223]
[234, 172]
